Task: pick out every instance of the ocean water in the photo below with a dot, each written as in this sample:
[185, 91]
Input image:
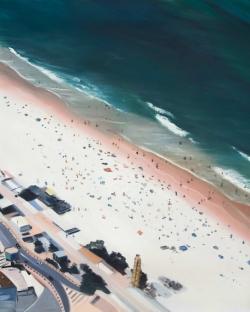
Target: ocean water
[182, 64]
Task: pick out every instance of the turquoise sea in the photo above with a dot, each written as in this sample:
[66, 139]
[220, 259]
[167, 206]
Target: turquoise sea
[182, 64]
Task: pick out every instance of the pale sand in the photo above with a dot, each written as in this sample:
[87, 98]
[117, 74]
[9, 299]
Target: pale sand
[139, 194]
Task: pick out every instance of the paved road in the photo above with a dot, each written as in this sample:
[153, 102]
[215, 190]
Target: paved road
[44, 269]
[55, 278]
[133, 303]
[48, 273]
[6, 237]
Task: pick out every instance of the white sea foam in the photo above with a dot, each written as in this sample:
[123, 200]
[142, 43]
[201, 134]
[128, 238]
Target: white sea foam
[92, 95]
[45, 71]
[234, 177]
[15, 53]
[76, 79]
[49, 74]
[192, 140]
[171, 126]
[244, 155]
[159, 110]
[161, 116]
[54, 77]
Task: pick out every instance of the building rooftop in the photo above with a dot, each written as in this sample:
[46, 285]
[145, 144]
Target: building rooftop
[1, 247]
[58, 221]
[47, 197]
[20, 221]
[43, 240]
[5, 282]
[15, 276]
[11, 250]
[59, 253]
[4, 203]
[11, 184]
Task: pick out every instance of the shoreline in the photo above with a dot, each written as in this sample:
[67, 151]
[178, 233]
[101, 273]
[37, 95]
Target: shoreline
[232, 213]
[134, 201]
[162, 143]
[230, 207]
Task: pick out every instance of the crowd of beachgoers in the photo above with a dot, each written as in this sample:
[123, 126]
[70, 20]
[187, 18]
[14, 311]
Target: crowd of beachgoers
[182, 227]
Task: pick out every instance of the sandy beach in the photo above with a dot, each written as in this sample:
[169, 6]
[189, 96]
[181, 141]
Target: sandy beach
[130, 198]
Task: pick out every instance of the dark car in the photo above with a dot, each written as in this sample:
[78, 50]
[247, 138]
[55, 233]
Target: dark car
[50, 278]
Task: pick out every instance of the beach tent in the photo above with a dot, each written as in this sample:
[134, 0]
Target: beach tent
[183, 248]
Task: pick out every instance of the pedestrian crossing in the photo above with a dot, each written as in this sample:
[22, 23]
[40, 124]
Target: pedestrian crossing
[75, 297]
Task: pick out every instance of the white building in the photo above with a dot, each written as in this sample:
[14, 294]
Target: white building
[2, 248]
[5, 203]
[16, 277]
[3, 260]
[66, 227]
[45, 242]
[12, 185]
[59, 255]
[21, 223]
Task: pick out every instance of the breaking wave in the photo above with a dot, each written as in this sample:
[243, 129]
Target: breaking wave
[88, 89]
[45, 71]
[162, 116]
[159, 110]
[244, 155]
[234, 177]
[171, 126]
[193, 141]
